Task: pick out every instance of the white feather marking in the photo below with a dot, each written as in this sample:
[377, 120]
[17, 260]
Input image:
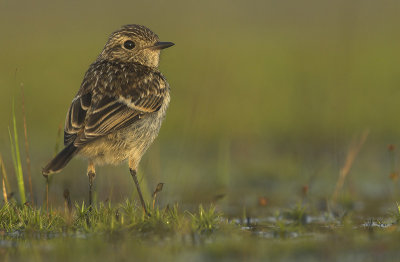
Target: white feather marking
[127, 101]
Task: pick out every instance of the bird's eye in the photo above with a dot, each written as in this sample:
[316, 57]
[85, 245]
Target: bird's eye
[129, 44]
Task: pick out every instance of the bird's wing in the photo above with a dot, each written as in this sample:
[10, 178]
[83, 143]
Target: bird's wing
[108, 113]
[76, 115]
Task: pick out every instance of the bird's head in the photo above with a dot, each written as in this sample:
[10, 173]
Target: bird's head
[134, 43]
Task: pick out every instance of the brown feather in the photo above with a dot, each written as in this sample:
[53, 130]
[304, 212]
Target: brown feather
[111, 107]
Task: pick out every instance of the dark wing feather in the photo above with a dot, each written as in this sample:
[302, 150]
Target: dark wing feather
[152, 102]
[107, 116]
[75, 119]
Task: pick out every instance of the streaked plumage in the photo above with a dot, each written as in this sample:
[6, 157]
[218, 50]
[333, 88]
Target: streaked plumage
[123, 98]
[134, 100]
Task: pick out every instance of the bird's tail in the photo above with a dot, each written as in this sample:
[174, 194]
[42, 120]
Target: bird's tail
[60, 160]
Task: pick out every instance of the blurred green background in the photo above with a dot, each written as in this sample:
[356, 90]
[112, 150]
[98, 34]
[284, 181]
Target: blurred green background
[267, 96]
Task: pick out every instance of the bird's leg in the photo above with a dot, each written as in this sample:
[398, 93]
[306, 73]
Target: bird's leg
[47, 193]
[91, 172]
[133, 173]
[132, 168]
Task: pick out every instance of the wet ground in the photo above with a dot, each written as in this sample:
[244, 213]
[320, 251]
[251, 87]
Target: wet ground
[290, 235]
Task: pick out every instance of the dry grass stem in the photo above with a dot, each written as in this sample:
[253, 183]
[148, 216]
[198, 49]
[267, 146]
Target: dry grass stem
[4, 192]
[4, 173]
[351, 156]
[158, 190]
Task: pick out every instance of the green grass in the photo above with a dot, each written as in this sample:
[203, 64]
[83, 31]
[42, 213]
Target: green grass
[129, 217]
[16, 156]
[122, 231]
[107, 218]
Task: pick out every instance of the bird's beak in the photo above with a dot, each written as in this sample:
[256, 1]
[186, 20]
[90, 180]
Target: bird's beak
[161, 45]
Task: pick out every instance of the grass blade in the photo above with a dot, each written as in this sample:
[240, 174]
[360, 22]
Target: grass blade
[28, 159]
[4, 192]
[17, 157]
[4, 173]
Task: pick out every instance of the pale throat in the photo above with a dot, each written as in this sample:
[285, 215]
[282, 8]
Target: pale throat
[153, 58]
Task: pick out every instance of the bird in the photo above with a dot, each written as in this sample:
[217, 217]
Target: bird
[120, 105]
